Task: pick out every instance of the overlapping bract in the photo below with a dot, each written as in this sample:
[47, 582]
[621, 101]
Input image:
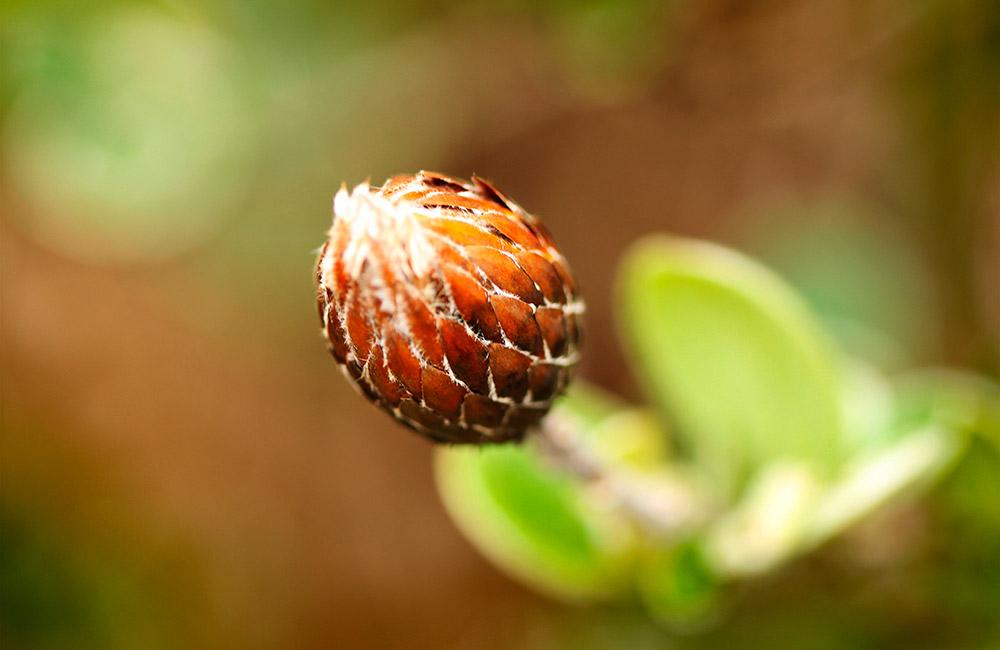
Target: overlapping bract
[449, 306]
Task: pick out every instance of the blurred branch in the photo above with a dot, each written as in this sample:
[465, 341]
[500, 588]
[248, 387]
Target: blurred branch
[950, 101]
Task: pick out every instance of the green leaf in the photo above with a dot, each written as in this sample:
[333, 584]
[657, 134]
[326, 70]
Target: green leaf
[677, 586]
[632, 439]
[534, 522]
[733, 355]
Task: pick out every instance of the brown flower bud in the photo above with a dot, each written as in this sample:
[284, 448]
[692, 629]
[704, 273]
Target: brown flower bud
[449, 306]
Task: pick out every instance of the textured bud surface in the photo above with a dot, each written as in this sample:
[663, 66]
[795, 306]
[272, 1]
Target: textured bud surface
[449, 306]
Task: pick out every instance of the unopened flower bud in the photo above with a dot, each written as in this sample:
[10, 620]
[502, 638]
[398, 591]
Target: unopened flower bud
[448, 306]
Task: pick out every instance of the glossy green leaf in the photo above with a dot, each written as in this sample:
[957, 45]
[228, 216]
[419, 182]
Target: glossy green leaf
[733, 355]
[534, 522]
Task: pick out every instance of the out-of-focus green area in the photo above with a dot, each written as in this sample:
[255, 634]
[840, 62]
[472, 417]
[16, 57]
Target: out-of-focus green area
[182, 466]
[763, 443]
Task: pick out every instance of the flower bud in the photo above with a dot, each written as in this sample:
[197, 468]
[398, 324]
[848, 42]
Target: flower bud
[448, 306]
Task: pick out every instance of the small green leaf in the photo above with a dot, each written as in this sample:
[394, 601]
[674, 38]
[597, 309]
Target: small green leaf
[677, 586]
[534, 522]
[631, 438]
[733, 355]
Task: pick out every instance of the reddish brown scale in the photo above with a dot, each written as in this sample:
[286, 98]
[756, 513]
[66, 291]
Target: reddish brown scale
[512, 231]
[449, 306]
[517, 320]
[464, 234]
[359, 332]
[442, 393]
[504, 273]
[467, 356]
[402, 361]
[473, 303]
[389, 391]
[510, 371]
[543, 381]
[423, 329]
[553, 326]
[481, 410]
[544, 275]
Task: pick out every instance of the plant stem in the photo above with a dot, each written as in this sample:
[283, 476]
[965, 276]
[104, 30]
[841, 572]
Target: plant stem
[662, 505]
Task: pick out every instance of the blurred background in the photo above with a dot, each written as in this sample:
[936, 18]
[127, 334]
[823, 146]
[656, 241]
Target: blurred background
[184, 466]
